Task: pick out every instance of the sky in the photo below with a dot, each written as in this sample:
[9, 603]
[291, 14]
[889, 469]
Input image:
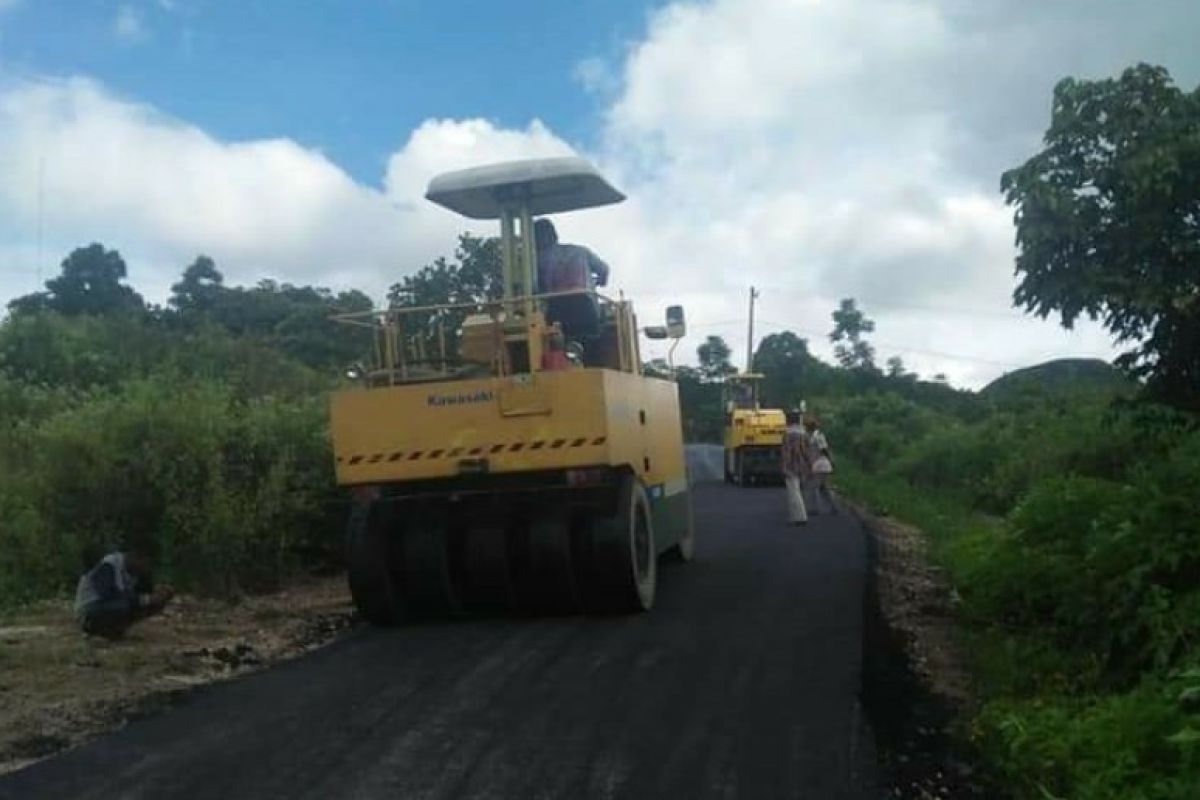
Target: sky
[816, 149]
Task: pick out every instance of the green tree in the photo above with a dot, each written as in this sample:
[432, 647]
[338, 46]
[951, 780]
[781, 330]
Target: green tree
[714, 357]
[295, 319]
[200, 288]
[789, 370]
[90, 283]
[700, 404]
[475, 274]
[849, 325]
[895, 368]
[1108, 222]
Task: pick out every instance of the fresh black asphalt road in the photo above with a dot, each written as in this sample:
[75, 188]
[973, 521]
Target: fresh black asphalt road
[743, 682]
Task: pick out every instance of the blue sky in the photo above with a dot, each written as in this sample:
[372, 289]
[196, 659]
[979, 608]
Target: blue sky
[348, 77]
[818, 149]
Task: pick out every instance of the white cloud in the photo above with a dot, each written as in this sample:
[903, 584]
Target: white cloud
[162, 191]
[826, 149]
[441, 145]
[817, 149]
[128, 26]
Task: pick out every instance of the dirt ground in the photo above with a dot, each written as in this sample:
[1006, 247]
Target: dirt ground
[917, 680]
[59, 688]
[918, 601]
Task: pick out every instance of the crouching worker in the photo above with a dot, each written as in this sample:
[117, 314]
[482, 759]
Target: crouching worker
[117, 592]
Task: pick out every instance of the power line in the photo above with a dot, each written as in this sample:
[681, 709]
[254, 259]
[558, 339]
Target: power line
[956, 310]
[905, 348]
[886, 344]
[41, 206]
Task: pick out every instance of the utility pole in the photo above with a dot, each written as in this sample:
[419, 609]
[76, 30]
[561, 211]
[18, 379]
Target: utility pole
[750, 335]
[41, 211]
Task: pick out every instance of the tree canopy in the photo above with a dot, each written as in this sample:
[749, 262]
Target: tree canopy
[790, 370]
[852, 350]
[91, 282]
[473, 275]
[714, 355]
[1108, 222]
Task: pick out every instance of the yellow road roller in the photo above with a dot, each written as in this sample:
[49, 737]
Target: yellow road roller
[510, 454]
[753, 435]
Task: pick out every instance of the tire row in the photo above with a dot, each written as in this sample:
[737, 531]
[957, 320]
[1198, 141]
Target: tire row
[432, 563]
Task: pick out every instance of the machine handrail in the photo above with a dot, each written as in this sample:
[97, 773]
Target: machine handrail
[376, 316]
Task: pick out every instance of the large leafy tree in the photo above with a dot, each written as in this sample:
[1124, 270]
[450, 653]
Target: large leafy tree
[294, 318]
[851, 348]
[201, 287]
[1108, 222]
[895, 369]
[475, 274]
[714, 355]
[788, 369]
[91, 282]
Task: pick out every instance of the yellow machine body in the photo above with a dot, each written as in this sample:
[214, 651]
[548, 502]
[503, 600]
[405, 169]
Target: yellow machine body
[755, 427]
[753, 436]
[536, 421]
[508, 451]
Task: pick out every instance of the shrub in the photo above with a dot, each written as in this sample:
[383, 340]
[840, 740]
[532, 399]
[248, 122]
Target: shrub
[1133, 746]
[224, 490]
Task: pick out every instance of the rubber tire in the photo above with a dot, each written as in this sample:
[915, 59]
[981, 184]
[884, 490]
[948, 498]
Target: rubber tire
[550, 581]
[615, 584]
[370, 562]
[487, 568]
[431, 576]
[685, 549]
[740, 467]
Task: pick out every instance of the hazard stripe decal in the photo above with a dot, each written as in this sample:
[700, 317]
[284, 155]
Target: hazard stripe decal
[366, 459]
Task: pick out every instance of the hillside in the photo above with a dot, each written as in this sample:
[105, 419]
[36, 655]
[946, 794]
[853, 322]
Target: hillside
[1059, 375]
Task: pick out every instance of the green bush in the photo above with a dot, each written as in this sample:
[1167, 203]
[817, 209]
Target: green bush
[210, 449]
[221, 491]
[1141, 745]
[1069, 528]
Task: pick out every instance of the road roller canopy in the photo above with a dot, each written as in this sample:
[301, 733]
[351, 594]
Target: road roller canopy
[541, 185]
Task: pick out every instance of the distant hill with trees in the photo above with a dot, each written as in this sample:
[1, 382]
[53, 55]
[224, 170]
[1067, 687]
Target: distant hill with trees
[1060, 375]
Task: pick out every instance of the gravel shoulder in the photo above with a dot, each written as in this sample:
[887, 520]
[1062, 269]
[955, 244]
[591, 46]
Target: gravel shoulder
[916, 683]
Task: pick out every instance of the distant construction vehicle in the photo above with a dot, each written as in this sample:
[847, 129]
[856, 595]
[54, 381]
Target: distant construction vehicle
[753, 436]
[511, 454]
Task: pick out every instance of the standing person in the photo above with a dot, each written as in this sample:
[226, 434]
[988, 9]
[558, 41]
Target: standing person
[794, 456]
[117, 592]
[821, 465]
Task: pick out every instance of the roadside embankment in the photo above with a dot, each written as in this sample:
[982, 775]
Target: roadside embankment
[916, 688]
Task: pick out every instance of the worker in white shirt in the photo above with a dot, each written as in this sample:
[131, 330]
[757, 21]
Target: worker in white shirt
[820, 465]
